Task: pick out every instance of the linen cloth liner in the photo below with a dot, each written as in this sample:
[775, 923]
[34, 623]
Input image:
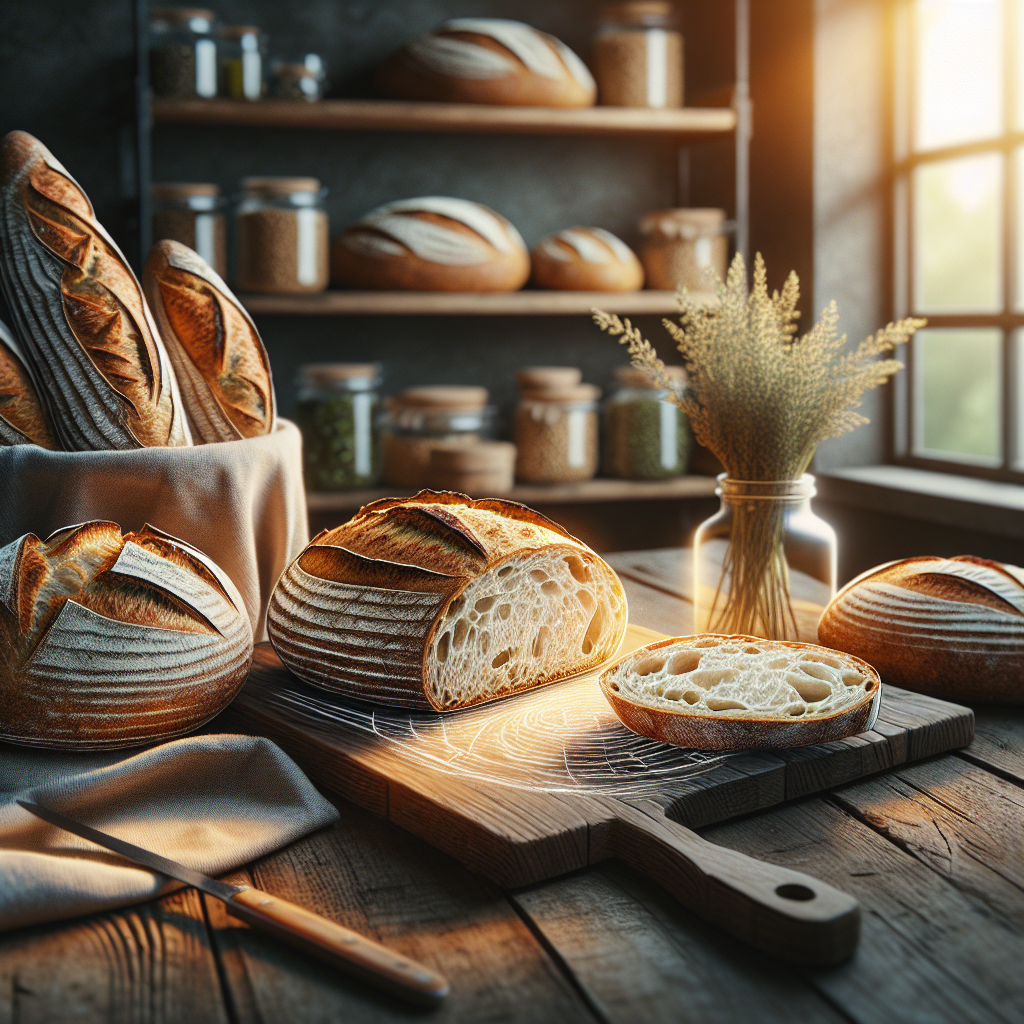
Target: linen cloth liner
[212, 802]
[240, 502]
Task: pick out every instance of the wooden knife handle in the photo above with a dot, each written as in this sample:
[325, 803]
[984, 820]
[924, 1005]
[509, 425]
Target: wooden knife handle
[338, 946]
[783, 912]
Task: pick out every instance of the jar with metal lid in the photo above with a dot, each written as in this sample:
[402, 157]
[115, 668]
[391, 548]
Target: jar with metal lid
[183, 52]
[680, 247]
[646, 435]
[556, 426]
[298, 78]
[421, 419]
[192, 213]
[282, 236]
[637, 56]
[240, 52]
[338, 409]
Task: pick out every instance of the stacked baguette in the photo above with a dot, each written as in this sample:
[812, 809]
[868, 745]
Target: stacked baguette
[87, 367]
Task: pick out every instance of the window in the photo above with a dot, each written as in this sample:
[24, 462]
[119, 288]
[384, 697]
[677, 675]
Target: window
[959, 234]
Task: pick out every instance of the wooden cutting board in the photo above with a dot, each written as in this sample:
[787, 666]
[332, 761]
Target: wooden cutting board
[548, 781]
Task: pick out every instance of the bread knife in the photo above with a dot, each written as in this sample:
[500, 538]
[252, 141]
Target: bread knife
[338, 946]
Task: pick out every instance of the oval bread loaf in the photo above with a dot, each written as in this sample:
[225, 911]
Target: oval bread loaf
[109, 641]
[949, 627]
[439, 601]
[434, 243]
[23, 419]
[716, 692]
[488, 60]
[586, 259]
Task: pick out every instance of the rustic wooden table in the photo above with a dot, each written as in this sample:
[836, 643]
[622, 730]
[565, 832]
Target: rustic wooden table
[934, 851]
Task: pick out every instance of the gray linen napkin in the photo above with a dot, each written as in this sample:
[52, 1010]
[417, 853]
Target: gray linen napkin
[213, 802]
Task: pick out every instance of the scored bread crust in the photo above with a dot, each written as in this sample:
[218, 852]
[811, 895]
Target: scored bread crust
[440, 601]
[23, 418]
[585, 259]
[684, 713]
[949, 627]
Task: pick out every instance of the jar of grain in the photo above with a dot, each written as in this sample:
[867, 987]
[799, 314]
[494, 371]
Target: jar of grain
[556, 426]
[282, 236]
[680, 247]
[480, 469]
[339, 406]
[637, 56]
[646, 435]
[240, 54]
[421, 419]
[183, 52]
[299, 78]
[192, 213]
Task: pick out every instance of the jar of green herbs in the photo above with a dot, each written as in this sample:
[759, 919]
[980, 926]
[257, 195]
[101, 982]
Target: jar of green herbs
[337, 413]
[647, 436]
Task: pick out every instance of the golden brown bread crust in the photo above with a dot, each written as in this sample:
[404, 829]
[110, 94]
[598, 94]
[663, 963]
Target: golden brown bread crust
[23, 419]
[951, 628]
[222, 367]
[558, 265]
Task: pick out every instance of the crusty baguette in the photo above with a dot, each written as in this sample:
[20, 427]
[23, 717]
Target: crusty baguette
[586, 259]
[949, 627]
[110, 641]
[439, 601]
[222, 367]
[81, 318]
[23, 419]
[716, 692]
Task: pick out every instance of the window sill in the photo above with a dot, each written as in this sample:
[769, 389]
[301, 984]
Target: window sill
[957, 501]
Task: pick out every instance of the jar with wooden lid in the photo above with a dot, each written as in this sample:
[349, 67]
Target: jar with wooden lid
[192, 213]
[183, 52]
[679, 248]
[282, 236]
[338, 409]
[240, 55]
[556, 426]
[298, 78]
[637, 56]
[480, 469]
[421, 419]
[646, 435]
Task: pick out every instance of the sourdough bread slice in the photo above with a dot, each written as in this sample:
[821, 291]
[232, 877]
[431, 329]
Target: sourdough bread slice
[716, 692]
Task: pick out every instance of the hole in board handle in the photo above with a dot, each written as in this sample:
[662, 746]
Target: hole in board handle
[794, 891]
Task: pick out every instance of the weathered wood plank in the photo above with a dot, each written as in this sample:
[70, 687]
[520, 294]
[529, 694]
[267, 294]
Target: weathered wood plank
[655, 609]
[150, 964]
[372, 877]
[998, 740]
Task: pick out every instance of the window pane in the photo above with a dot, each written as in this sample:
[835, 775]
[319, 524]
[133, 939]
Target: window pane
[957, 393]
[959, 83]
[958, 209]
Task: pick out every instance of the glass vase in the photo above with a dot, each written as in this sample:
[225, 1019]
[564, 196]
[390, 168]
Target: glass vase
[765, 564]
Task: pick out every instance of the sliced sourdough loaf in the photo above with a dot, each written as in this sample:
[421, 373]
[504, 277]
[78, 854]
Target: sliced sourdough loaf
[716, 692]
[439, 601]
[948, 627]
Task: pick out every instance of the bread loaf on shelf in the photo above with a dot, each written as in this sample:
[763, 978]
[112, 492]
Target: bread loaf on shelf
[948, 627]
[586, 260]
[79, 312]
[439, 601]
[716, 692]
[488, 60]
[434, 243]
[222, 367]
[23, 419]
[112, 641]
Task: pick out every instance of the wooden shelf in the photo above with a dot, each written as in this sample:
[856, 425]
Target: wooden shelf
[586, 493]
[690, 123]
[526, 303]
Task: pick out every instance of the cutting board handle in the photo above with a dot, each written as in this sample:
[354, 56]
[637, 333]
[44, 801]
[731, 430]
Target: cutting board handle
[786, 913]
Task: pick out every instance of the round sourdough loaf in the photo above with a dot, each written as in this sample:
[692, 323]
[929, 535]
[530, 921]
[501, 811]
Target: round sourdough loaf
[109, 641]
[948, 627]
[716, 692]
[439, 601]
[433, 244]
[587, 260]
[488, 60]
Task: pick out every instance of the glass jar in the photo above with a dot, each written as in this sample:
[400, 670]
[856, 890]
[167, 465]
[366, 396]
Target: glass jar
[637, 56]
[337, 413]
[282, 236]
[183, 52]
[646, 435]
[421, 419]
[241, 53]
[679, 248]
[300, 78]
[192, 213]
[765, 564]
